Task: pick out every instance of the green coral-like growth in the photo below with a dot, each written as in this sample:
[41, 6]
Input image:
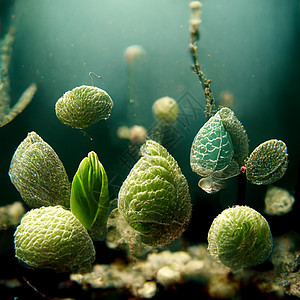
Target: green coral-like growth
[52, 237]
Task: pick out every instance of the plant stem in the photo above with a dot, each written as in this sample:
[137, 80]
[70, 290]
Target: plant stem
[210, 101]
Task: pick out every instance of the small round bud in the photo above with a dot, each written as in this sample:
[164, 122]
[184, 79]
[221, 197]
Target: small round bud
[278, 201]
[195, 4]
[165, 109]
[134, 52]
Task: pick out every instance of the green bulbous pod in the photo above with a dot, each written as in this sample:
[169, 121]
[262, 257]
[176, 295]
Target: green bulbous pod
[219, 150]
[52, 237]
[212, 148]
[83, 106]
[38, 174]
[154, 199]
[90, 196]
[240, 237]
[237, 133]
[267, 163]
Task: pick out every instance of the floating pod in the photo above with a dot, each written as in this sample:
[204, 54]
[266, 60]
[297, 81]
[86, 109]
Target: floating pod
[52, 237]
[136, 134]
[38, 174]
[212, 148]
[132, 53]
[267, 163]
[278, 201]
[165, 109]
[154, 199]
[240, 237]
[83, 106]
[219, 150]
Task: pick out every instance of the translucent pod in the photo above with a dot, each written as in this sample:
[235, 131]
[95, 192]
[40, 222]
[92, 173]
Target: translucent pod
[38, 174]
[90, 196]
[240, 237]
[219, 150]
[165, 109]
[134, 52]
[267, 163]
[52, 237]
[237, 133]
[136, 134]
[83, 106]
[154, 199]
[212, 148]
[217, 180]
[278, 201]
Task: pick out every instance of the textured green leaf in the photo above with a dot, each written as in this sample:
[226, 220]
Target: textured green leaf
[38, 174]
[89, 192]
[219, 150]
[267, 163]
[237, 133]
[212, 148]
[83, 106]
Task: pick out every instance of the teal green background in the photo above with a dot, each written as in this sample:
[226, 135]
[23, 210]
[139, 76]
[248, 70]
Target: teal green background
[249, 47]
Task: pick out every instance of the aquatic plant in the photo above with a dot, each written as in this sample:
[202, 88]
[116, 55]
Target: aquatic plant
[154, 198]
[52, 237]
[38, 174]
[240, 237]
[267, 163]
[90, 196]
[195, 21]
[8, 113]
[83, 106]
[218, 150]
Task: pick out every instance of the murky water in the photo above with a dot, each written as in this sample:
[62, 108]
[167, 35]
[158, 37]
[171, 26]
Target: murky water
[250, 50]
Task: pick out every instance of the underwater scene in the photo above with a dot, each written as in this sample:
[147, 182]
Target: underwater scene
[149, 149]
